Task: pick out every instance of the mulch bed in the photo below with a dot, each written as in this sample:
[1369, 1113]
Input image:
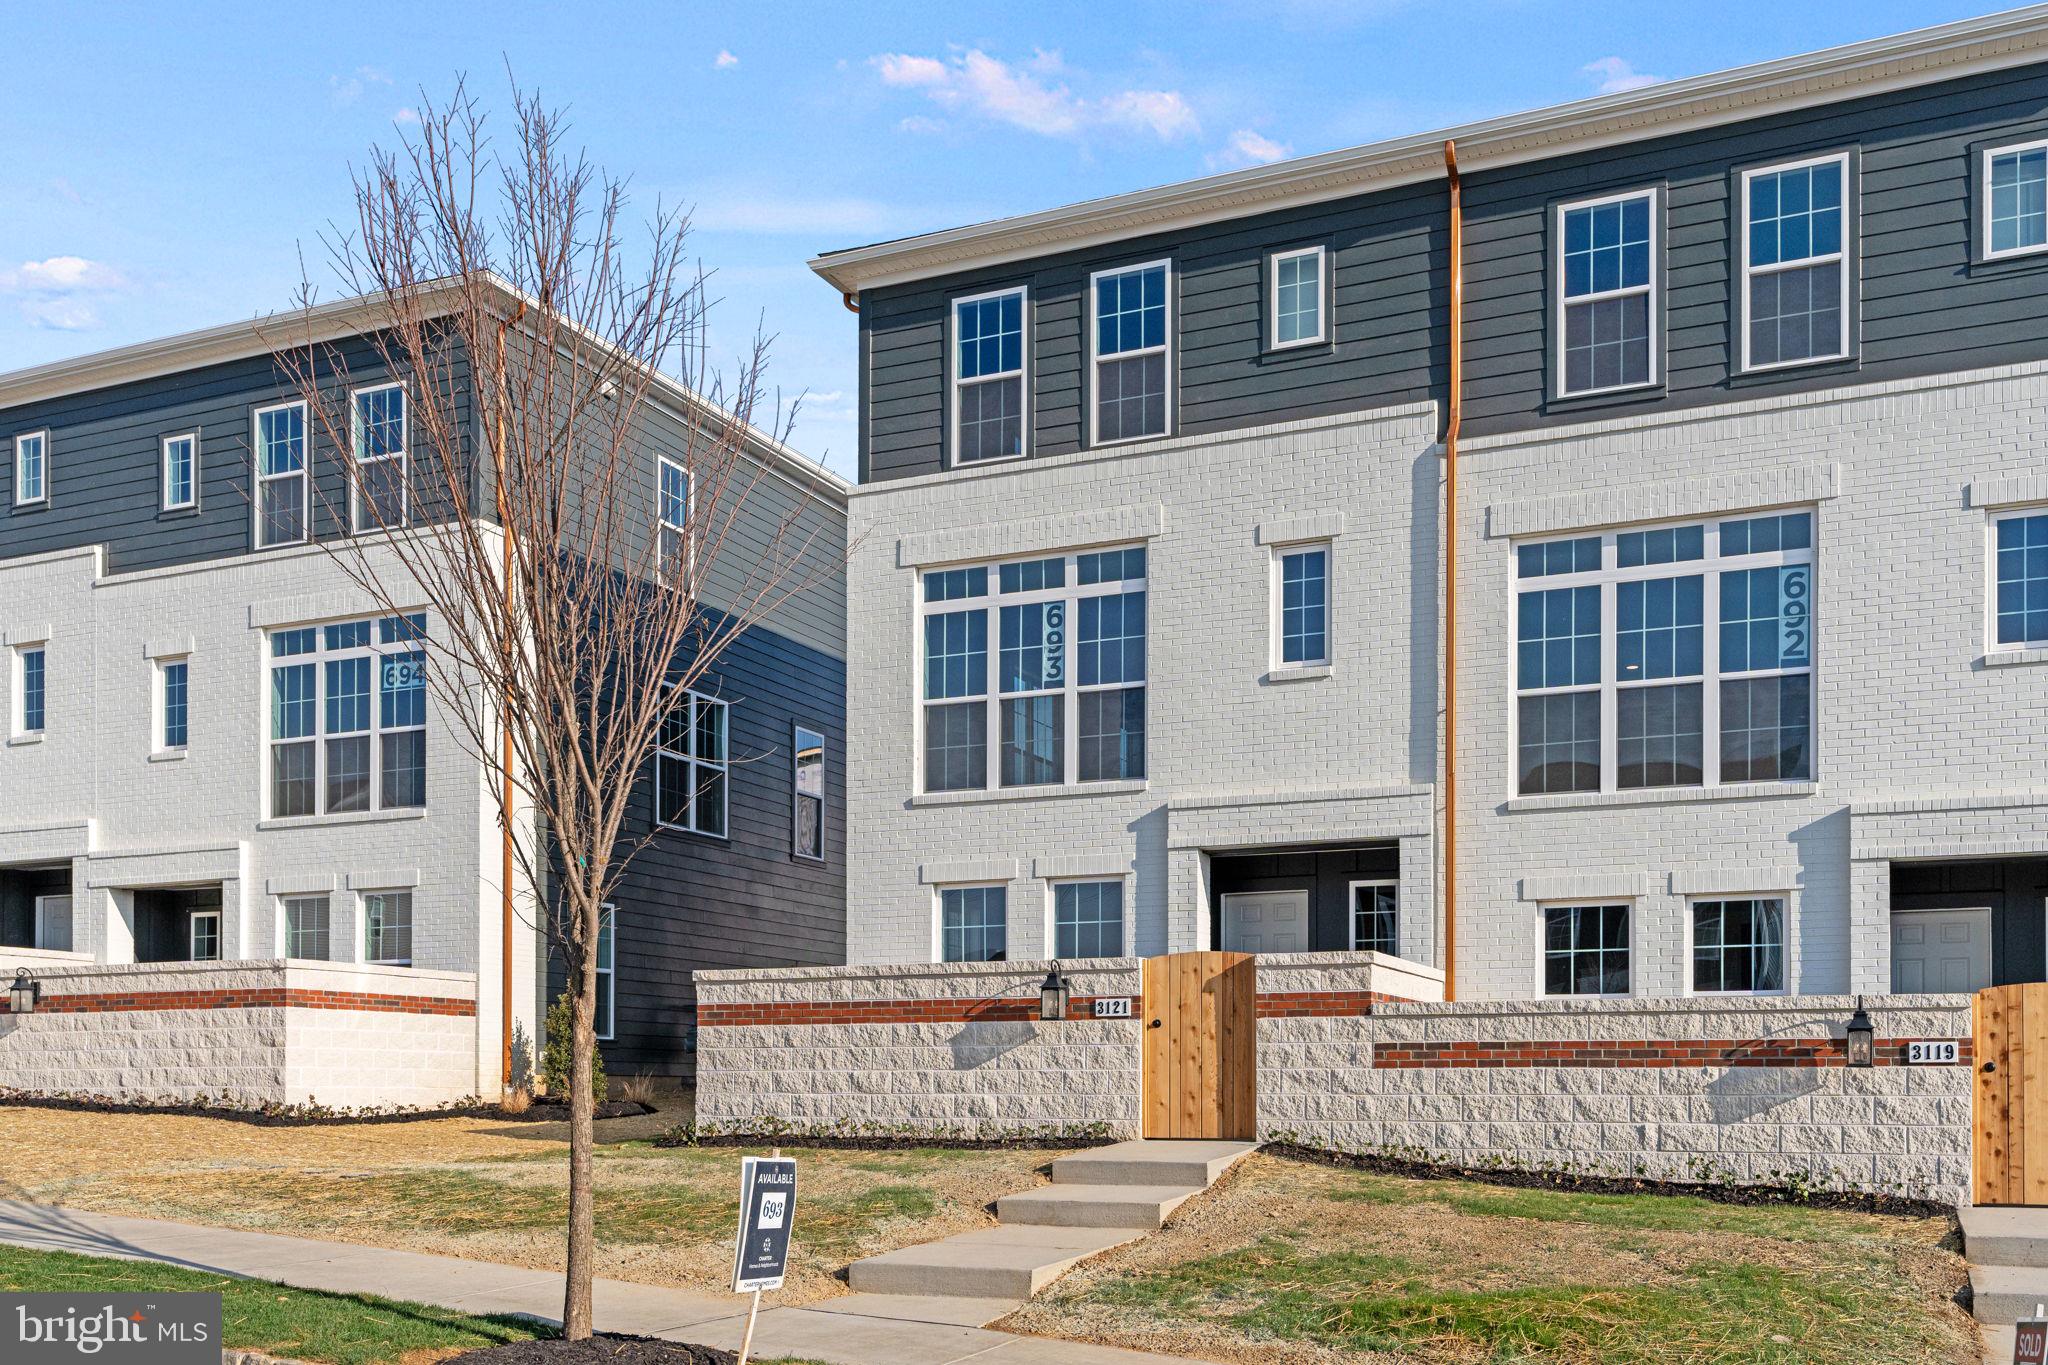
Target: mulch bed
[541, 1112]
[603, 1349]
[681, 1138]
[307, 1116]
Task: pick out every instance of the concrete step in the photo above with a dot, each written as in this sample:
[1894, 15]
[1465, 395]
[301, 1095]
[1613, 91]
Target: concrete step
[1152, 1161]
[1095, 1206]
[992, 1263]
[1997, 1236]
[2003, 1294]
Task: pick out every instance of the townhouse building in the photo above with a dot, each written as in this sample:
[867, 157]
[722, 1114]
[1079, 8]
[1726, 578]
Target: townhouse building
[1598, 552]
[221, 755]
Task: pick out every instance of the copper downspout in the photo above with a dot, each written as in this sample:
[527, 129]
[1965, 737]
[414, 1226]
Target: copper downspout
[852, 304]
[1456, 411]
[505, 747]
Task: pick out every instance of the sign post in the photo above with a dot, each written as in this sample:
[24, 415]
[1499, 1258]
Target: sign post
[767, 1212]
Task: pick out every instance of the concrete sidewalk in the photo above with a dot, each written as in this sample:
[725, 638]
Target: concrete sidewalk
[849, 1335]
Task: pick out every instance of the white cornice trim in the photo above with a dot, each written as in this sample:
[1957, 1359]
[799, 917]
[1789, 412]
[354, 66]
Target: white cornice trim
[1991, 43]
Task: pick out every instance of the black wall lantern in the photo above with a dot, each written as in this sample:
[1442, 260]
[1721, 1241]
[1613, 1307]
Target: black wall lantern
[1862, 1037]
[24, 993]
[1054, 995]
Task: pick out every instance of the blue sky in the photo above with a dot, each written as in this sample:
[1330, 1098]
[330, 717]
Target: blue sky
[166, 166]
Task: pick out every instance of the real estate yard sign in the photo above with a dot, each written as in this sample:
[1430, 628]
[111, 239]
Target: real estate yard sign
[767, 1210]
[2030, 1342]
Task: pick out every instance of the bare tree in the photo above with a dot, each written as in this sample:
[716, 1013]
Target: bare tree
[560, 569]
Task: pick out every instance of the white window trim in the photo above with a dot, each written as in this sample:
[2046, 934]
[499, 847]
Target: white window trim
[1351, 909]
[1654, 291]
[1606, 577]
[1785, 922]
[192, 936]
[939, 916]
[18, 690]
[258, 478]
[284, 924]
[191, 503]
[376, 650]
[1839, 258]
[954, 383]
[357, 459]
[1166, 348]
[1070, 686]
[42, 497]
[604, 1029]
[1052, 912]
[1984, 161]
[1275, 590]
[1323, 295]
[363, 900]
[724, 765]
[1992, 645]
[1635, 963]
[796, 797]
[160, 744]
[661, 522]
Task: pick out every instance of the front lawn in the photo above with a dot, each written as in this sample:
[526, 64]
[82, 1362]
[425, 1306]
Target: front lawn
[1290, 1261]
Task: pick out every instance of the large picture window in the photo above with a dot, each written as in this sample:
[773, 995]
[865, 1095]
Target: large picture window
[690, 767]
[1053, 685]
[348, 717]
[1677, 656]
[990, 363]
[1606, 281]
[1131, 341]
[282, 487]
[1795, 263]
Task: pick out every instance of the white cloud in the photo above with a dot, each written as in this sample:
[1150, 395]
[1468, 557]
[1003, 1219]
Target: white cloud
[348, 89]
[61, 314]
[1247, 148]
[1031, 97]
[1616, 74]
[406, 114]
[58, 291]
[918, 123]
[724, 60]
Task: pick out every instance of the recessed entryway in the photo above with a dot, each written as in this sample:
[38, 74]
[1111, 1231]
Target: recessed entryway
[1964, 926]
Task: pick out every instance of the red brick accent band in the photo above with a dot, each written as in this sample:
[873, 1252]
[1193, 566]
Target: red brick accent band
[1642, 1052]
[1008, 1009]
[258, 997]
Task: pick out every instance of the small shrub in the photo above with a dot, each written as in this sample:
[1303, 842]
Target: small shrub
[517, 1100]
[554, 1057]
[638, 1088]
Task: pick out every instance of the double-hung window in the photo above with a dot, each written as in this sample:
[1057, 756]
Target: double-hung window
[308, 928]
[807, 785]
[690, 766]
[1738, 947]
[1606, 281]
[1088, 919]
[348, 717]
[377, 437]
[283, 490]
[1299, 278]
[387, 928]
[181, 472]
[1301, 607]
[1131, 342]
[1054, 684]
[173, 698]
[673, 533]
[2015, 200]
[1585, 950]
[1676, 656]
[31, 468]
[989, 376]
[31, 690]
[606, 1005]
[1795, 263]
[1375, 917]
[2020, 567]
[973, 923]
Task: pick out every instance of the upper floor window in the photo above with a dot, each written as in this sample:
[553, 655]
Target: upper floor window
[690, 765]
[173, 684]
[2015, 210]
[283, 491]
[674, 495]
[30, 690]
[31, 468]
[1302, 607]
[989, 364]
[807, 781]
[1684, 659]
[1298, 283]
[1131, 342]
[1066, 658]
[1795, 263]
[348, 717]
[1607, 298]
[181, 471]
[378, 436]
[2021, 606]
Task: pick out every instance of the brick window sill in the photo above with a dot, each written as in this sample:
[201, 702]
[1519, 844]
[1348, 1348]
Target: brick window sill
[25, 739]
[1048, 793]
[2013, 658]
[1299, 673]
[1663, 796]
[366, 817]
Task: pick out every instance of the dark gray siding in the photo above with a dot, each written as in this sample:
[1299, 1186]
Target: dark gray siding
[1925, 305]
[1326, 874]
[104, 464]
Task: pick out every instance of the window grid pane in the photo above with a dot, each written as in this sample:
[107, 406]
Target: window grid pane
[1130, 342]
[1374, 920]
[1304, 603]
[2022, 594]
[1298, 297]
[34, 690]
[1585, 950]
[387, 922]
[306, 928]
[1088, 919]
[175, 710]
[2019, 199]
[1738, 946]
[972, 924]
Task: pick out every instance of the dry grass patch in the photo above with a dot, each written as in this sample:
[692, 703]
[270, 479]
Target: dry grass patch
[1302, 1264]
[497, 1191]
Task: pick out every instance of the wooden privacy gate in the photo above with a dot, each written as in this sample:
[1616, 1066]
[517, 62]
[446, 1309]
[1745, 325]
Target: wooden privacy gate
[2009, 1147]
[1201, 1046]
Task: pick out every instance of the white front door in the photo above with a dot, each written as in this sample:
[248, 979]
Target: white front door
[53, 923]
[1265, 922]
[1941, 950]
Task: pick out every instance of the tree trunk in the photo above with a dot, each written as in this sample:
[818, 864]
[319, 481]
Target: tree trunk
[576, 1310]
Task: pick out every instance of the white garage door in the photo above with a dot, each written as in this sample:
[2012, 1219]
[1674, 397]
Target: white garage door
[1941, 950]
[1266, 922]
